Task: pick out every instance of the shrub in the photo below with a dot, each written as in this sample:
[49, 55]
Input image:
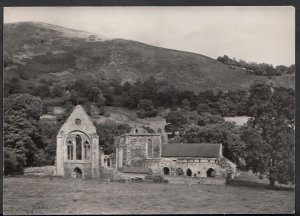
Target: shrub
[13, 162]
[101, 111]
[158, 178]
[106, 115]
[24, 76]
[144, 114]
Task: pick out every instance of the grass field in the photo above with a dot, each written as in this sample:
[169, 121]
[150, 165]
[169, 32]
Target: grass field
[39, 195]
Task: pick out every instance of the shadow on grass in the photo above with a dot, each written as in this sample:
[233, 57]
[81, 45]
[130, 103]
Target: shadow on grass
[256, 185]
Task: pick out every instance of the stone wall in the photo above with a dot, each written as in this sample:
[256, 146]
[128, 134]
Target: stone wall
[130, 175]
[107, 173]
[135, 150]
[86, 169]
[198, 168]
[197, 180]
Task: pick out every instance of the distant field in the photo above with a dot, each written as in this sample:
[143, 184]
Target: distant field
[239, 120]
[39, 195]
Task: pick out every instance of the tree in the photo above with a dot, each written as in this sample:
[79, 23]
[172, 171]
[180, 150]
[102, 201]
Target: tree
[203, 108]
[146, 109]
[74, 97]
[167, 95]
[57, 90]
[93, 93]
[12, 86]
[14, 161]
[185, 103]
[127, 86]
[207, 118]
[177, 121]
[100, 99]
[22, 136]
[49, 131]
[107, 134]
[41, 90]
[223, 132]
[221, 59]
[269, 135]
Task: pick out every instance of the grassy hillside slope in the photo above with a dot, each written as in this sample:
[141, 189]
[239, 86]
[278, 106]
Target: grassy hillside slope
[37, 49]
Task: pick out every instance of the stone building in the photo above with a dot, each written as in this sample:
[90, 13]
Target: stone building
[138, 153]
[195, 160]
[77, 151]
[140, 149]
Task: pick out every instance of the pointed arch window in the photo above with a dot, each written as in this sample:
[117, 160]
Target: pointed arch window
[150, 148]
[87, 150]
[78, 147]
[70, 150]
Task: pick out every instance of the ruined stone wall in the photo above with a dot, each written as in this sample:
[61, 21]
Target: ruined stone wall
[135, 151]
[106, 173]
[86, 169]
[130, 175]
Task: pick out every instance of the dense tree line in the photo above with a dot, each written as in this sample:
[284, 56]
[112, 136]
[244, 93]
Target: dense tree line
[148, 95]
[258, 69]
[143, 96]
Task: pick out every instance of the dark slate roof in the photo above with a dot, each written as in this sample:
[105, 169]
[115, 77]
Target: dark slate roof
[138, 170]
[191, 150]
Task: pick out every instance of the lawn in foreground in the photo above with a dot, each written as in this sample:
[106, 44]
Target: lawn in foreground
[37, 195]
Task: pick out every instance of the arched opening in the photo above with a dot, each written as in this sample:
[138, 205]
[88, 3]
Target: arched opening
[70, 150]
[211, 173]
[136, 130]
[87, 150]
[189, 172]
[77, 173]
[179, 172]
[166, 171]
[78, 147]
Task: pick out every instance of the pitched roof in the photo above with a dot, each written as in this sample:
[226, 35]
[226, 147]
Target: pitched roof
[139, 170]
[86, 124]
[191, 150]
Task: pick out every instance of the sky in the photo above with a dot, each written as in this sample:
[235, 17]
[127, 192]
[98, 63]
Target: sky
[254, 34]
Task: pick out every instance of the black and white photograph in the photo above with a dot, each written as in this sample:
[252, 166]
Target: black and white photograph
[148, 110]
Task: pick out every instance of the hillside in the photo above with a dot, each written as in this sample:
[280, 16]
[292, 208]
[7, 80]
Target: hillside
[36, 49]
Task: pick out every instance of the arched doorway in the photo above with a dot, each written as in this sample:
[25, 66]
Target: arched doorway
[166, 171]
[77, 173]
[211, 173]
[179, 172]
[189, 172]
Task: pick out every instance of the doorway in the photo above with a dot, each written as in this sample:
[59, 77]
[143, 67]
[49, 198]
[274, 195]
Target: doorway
[77, 173]
[189, 172]
[166, 171]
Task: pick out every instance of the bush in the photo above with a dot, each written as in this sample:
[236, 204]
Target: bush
[24, 76]
[144, 114]
[40, 158]
[106, 115]
[101, 111]
[158, 178]
[13, 162]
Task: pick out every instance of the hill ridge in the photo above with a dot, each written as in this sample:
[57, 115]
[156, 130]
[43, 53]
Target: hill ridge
[38, 48]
